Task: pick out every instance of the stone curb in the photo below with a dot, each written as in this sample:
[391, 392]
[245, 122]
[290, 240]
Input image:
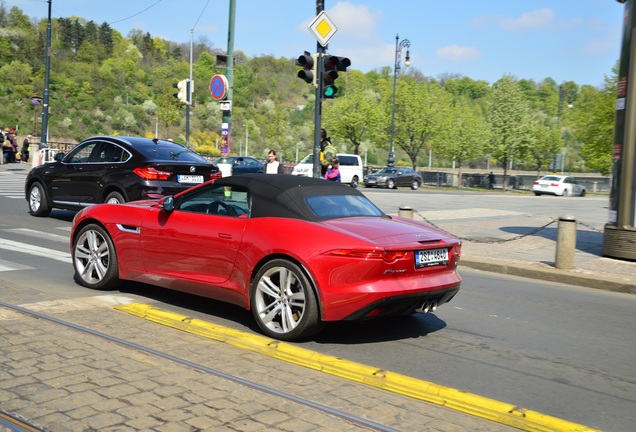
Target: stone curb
[550, 274]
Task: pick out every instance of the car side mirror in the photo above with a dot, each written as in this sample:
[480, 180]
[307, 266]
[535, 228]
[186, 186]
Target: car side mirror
[167, 203]
[59, 156]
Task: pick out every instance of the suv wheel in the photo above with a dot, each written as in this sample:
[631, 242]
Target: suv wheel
[38, 205]
[354, 182]
[114, 198]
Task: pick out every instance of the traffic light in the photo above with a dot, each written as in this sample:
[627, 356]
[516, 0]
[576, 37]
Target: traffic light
[332, 65]
[183, 87]
[308, 73]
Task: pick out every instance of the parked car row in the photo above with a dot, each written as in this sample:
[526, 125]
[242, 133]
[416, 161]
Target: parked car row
[122, 169]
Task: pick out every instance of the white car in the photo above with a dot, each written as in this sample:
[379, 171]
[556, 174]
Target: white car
[351, 171]
[558, 185]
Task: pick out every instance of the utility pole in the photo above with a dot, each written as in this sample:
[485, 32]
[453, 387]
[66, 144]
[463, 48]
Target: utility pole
[189, 93]
[44, 140]
[229, 73]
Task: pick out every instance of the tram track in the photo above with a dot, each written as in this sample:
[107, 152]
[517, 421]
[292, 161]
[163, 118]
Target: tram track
[265, 389]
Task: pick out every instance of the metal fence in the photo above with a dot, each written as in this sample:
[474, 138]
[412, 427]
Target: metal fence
[597, 184]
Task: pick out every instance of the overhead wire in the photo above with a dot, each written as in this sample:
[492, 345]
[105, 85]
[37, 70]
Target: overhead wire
[140, 12]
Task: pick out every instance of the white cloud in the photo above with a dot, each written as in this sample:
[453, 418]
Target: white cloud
[458, 53]
[539, 18]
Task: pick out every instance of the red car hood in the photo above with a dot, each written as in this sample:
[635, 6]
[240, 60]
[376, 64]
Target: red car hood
[391, 232]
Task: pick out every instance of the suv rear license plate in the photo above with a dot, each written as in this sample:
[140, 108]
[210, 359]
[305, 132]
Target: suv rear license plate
[190, 178]
[431, 258]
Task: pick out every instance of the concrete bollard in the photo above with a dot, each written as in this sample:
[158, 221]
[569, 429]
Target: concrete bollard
[406, 211]
[566, 242]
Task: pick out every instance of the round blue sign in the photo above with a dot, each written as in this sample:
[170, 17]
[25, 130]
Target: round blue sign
[218, 87]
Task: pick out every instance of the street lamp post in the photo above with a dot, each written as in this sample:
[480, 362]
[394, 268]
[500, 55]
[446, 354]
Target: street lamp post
[404, 43]
[559, 110]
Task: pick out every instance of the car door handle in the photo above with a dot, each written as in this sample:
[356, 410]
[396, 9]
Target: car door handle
[225, 235]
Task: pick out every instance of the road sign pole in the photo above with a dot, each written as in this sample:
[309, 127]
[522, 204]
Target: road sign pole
[229, 73]
[320, 6]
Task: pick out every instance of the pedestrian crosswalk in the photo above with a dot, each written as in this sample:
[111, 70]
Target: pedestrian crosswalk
[12, 185]
[17, 243]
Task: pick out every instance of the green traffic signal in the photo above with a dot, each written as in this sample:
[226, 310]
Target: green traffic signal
[330, 91]
[331, 66]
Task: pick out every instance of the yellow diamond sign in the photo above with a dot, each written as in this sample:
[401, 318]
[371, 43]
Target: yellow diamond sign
[323, 28]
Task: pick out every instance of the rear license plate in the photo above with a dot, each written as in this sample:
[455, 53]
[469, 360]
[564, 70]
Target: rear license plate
[431, 258]
[190, 178]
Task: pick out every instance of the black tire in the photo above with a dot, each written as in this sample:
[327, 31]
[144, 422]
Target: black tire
[566, 193]
[583, 193]
[38, 202]
[354, 182]
[537, 193]
[115, 198]
[284, 313]
[415, 185]
[390, 184]
[95, 258]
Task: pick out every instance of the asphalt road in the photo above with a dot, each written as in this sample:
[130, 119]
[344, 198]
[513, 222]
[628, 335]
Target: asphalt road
[561, 350]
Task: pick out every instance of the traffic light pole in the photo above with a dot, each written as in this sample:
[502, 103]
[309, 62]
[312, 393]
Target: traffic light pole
[320, 6]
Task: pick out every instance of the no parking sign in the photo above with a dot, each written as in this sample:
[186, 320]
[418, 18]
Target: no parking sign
[218, 87]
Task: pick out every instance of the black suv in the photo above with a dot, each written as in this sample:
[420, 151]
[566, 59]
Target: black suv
[115, 170]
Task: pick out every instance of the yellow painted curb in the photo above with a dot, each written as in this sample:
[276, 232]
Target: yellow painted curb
[479, 406]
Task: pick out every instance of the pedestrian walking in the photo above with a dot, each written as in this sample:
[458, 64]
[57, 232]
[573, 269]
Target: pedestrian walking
[491, 180]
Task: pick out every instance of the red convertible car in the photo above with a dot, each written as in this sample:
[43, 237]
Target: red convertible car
[296, 251]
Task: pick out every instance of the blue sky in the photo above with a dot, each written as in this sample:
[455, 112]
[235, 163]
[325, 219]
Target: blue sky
[567, 40]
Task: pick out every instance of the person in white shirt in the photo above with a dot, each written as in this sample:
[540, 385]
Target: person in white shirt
[273, 166]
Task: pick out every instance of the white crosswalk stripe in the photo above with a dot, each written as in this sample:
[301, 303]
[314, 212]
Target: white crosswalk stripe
[12, 185]
[20, 247]
[58, 241]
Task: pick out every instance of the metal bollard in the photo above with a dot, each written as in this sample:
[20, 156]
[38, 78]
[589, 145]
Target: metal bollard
[406, 211]
[566, 242]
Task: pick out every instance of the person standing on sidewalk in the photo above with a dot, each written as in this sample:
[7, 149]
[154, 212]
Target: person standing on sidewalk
[273, 166]
[24, 153]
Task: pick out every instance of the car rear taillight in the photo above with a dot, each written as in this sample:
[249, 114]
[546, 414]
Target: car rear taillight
[536, 182]
[554, 184]
[387, 256]
[216, 175]
[151, 173]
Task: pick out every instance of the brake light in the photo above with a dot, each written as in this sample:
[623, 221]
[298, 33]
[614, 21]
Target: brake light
[536, 182]
[150, 173]
[387, 256]
[216, 175]
[554, 184]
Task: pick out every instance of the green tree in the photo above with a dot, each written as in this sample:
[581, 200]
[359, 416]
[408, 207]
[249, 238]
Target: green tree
[594, 122]
[352, 116]
[466, 138]
[506, 115]
[422, 115]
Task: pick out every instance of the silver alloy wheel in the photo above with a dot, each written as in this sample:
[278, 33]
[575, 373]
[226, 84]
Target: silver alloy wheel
[92, 257]
[35, 199]
[280, 300]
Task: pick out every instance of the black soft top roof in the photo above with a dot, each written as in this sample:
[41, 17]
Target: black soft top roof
[283, 195]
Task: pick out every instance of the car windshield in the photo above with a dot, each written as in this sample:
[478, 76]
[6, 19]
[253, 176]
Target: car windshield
[165, 151]
[338, 206]
[309, 159]
[387, 171]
